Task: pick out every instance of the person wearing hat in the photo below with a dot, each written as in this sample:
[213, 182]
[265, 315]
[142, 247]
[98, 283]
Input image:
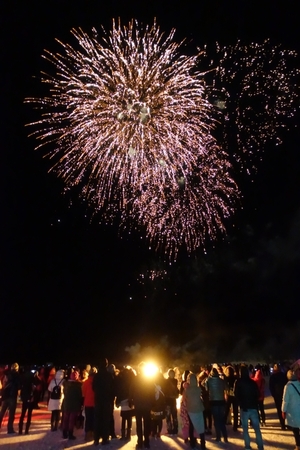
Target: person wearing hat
[291, 404]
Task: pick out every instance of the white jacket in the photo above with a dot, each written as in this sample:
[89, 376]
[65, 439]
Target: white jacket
[291, 404]
[55, 404]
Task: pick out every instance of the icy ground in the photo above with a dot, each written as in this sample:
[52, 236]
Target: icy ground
[41, 438]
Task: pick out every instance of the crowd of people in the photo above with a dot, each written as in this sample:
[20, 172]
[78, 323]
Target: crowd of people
[214, 396]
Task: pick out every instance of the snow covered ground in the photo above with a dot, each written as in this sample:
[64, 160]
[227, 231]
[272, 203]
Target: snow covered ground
[41, 438]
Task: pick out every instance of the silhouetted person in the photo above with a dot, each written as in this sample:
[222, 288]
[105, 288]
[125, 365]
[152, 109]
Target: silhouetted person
[28, 388]
[142, 395]
[260, 381]
[103, 388]
[11, 386]
[171, 394]
[277, 381]
[216, 391]
[230, 379]
[124, 382]
[247, 394]
[113, 371]
[72, 404]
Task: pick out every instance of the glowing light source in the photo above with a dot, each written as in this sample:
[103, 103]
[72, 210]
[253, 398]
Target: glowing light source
[150, 369]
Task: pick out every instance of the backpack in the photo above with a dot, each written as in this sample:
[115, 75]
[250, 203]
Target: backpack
[56, 391]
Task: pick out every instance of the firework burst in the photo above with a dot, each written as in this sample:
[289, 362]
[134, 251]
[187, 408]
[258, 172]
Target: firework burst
[128, 120]
[131, 121]
[256, 87]
[192, 212]
[126, 112]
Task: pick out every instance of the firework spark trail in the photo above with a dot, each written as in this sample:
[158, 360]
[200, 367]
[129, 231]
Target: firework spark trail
[131, 121]
[258, 85]
[130, 113]
[194, 211]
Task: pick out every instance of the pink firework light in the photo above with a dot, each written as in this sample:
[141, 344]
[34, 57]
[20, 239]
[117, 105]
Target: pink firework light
[126, 112]
[128, 120]
[131, 121]
[256, 87]
[185, 217]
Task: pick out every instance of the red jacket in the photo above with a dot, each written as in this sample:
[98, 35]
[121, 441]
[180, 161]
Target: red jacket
[260, 381]
[87, 392]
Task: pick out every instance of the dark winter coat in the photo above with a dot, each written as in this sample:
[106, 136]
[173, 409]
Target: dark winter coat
[246, 391]
[171, 390]
[103, 387]
[276, 384]
[159, 398]
[216, 387]
[142, 392]
[73, 396]
[123, 383]
[28, 387]
[11, 385]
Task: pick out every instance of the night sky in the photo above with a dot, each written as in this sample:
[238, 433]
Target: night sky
[72, 289]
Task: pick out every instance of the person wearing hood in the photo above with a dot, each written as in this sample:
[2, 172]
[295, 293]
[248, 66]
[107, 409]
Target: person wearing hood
[260, 381]
[194, 405]
[247, 394]
[56, 396]
[216, 387]
[291, 404]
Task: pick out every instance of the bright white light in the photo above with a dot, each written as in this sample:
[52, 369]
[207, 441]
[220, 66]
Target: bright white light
[150, 369]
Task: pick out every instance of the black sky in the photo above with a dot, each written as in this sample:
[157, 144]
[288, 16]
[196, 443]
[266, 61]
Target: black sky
[71, 288]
